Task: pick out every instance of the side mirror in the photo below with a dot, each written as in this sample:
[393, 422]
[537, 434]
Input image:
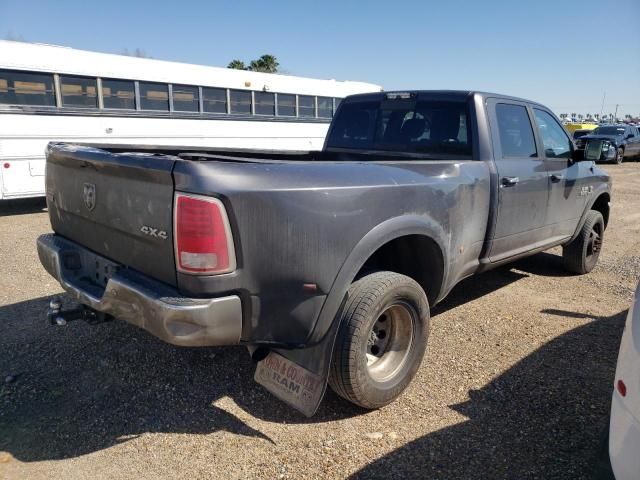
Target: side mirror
[577, 155]
[629, 136]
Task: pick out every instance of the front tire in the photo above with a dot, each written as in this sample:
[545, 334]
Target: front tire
[381, 340]
[581, 255]
[619, 155]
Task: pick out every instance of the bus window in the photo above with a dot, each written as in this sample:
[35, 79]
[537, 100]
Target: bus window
[265, 103]
[306, 106]
[154, 96]
[336, 104]
[325, 107]
[25, 88]
[241, 101]
[185, 98]
[214, 100]
[118, 94]
[286, 105]
[79, 92]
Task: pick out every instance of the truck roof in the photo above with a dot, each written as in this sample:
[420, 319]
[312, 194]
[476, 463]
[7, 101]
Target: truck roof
[451, 94]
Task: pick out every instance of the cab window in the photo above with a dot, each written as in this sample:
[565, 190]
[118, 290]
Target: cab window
[555, 141]
[516, 134]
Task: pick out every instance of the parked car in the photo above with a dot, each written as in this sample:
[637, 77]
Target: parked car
[615, 142]
[324, 264]
[624, 427]
[573, 126]
[580, 133]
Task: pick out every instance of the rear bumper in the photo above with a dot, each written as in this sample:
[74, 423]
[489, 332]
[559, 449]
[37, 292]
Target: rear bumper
[104, 286]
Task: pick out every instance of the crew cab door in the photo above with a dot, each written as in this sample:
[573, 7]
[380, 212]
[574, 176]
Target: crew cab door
[522, 180]
[569, 186]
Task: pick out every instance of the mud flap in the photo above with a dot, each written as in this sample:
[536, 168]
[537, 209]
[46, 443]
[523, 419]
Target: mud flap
[299, 377]
[291, 383]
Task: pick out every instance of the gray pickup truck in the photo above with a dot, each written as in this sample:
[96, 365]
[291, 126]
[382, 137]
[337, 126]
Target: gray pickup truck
[324, 264]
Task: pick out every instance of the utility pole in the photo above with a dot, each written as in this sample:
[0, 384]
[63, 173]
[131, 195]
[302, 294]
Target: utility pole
[604, 94]
[615, 115]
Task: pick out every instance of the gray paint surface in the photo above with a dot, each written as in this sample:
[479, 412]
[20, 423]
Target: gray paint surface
[317, 217]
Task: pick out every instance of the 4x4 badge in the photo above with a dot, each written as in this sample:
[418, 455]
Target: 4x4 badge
[153, 232]
[89, 195]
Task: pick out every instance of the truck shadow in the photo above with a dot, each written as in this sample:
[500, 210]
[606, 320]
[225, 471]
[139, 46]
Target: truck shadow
[22, 206]
[80, 388]
[544, 264]
[551, 406]
[478, 286]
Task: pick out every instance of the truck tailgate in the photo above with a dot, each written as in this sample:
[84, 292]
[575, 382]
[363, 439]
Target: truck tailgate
[118, 205]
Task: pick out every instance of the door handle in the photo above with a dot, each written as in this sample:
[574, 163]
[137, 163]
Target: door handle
[510, 181]
[556, 178]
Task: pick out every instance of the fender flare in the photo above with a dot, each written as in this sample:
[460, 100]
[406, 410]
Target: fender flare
[604, 190]
[378, 236]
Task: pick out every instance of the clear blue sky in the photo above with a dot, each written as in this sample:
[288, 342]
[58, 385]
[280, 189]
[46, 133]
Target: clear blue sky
[565, 54]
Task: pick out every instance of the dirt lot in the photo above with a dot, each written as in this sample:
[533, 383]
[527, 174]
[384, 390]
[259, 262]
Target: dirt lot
[516, 382]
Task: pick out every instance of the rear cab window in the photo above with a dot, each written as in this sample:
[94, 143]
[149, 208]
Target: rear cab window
[515, 131]
[436, 128]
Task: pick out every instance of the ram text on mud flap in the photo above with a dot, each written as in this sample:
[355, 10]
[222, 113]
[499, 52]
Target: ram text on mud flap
[290, 382]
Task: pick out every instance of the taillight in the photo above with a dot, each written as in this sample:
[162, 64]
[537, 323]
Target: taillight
[622, 388]
[203, 237]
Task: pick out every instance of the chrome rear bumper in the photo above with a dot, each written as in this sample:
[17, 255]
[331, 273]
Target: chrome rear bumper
[139, 300]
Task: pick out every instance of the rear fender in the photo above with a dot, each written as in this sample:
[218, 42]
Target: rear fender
[316, 357]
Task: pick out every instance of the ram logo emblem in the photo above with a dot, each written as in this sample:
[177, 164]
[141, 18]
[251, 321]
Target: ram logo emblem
[89, 196]
[153, 232]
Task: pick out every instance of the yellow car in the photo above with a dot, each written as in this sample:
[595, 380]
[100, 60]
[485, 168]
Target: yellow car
[573, 126]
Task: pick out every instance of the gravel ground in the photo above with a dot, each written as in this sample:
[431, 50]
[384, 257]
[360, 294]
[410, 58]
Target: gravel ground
[516, 382]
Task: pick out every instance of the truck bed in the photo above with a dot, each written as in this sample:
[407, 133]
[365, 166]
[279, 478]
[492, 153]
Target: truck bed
[295, 221]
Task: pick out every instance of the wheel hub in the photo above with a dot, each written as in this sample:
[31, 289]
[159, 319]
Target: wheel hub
[389, 341]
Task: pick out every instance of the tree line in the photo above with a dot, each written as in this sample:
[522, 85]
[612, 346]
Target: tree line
[264, 64]
[595, 117]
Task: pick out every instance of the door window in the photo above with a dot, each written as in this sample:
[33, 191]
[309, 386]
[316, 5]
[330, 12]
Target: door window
[516, 134]
[555, 141]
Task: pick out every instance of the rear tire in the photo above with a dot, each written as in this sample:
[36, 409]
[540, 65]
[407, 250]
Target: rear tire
[381, 340]
[581, 255]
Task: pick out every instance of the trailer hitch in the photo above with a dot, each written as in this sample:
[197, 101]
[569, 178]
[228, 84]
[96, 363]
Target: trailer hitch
[57, 316]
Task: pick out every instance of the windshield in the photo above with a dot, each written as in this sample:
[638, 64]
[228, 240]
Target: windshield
[608, 131]
[438, 129]
[580, 133]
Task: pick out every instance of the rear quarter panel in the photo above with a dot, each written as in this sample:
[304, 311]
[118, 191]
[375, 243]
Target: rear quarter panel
[299, 223]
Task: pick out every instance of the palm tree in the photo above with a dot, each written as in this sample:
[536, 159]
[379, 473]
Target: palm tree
[580, 116]
[265, 64]
[237, 65]
[597, 115]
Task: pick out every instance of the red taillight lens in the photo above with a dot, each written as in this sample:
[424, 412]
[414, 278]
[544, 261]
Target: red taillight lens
[203, 237]
[622, 388]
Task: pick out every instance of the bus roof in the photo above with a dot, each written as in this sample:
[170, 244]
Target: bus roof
[70, 61]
